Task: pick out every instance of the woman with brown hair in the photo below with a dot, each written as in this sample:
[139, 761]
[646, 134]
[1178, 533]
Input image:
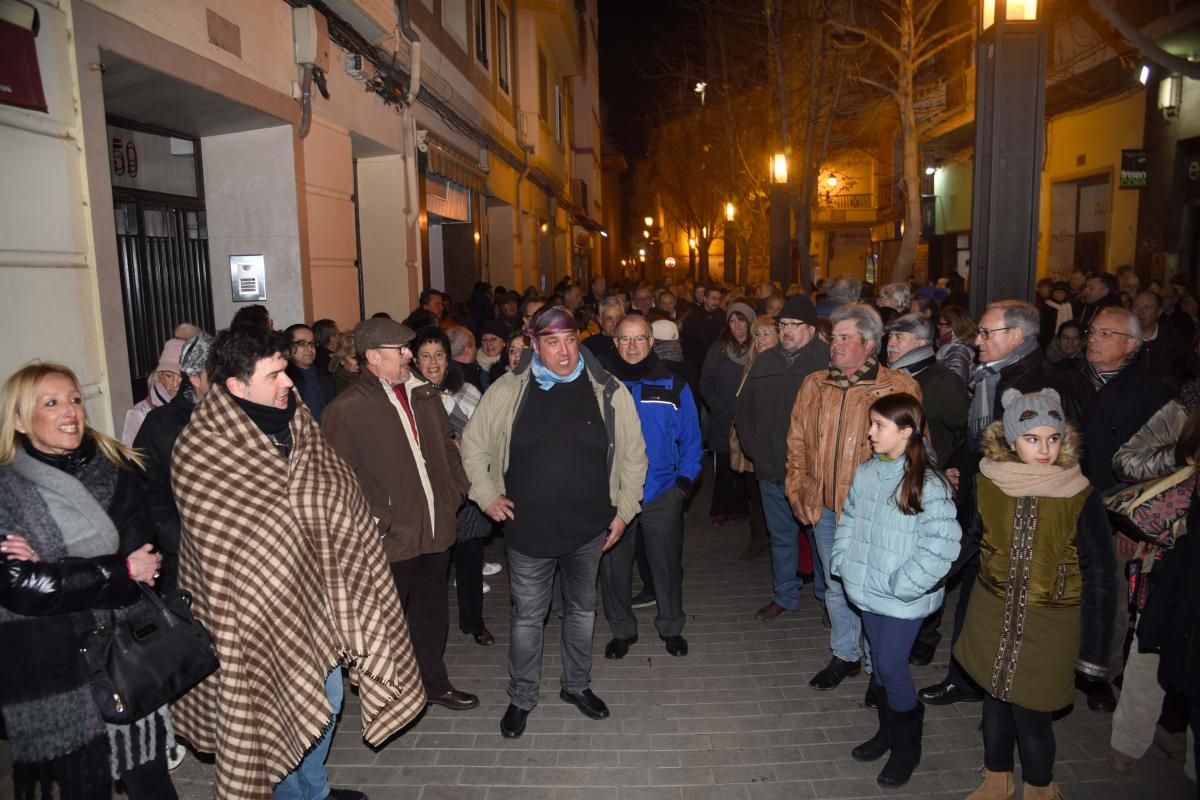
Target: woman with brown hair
[956, 337]
[719, 381]
[75, 529]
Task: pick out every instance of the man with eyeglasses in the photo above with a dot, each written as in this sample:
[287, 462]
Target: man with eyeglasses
[314, 384]
[671, 429]
[391, 428]
[1009, 357]
[602, 344]
[763, 410]
[1116, 401]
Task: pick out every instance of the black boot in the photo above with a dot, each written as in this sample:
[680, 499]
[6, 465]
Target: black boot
[906, 746]
[877, 746]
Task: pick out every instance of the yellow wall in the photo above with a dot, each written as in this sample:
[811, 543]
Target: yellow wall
[1097, 134]
[952, 185]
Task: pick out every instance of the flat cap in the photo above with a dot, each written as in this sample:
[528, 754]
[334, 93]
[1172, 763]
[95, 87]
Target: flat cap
[371, 333]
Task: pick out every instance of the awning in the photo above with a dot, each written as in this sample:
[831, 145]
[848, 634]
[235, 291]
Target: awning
[455, 167]
[584, 221]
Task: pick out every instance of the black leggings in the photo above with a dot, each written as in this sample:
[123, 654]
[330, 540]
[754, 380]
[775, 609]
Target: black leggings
[1006, 724]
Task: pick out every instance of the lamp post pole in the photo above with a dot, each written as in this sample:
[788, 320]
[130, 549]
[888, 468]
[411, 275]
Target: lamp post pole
[731, 270]
[1010, 112]
[781, 262]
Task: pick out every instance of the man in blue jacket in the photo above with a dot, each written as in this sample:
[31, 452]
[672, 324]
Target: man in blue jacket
[671, 429]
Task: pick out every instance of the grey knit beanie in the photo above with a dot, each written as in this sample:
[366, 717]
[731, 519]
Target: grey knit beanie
[1024, 412]
[194, 356]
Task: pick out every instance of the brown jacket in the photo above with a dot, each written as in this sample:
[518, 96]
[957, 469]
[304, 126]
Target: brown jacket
[827, 438]
[365, 429]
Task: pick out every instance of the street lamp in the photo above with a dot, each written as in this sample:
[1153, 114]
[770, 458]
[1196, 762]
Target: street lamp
[731, 270]
[781, 228]
[649, 222]
[1010, 113]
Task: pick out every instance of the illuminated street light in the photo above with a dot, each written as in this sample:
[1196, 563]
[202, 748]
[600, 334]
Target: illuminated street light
[692, 243]
[831, 181]
[649, 222]
[645, 234]
[642, 251]
[779, 168]
[1144, 75]
[729, 210]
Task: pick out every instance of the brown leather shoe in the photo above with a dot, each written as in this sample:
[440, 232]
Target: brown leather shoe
[484, 637]
[454, 700]
[769, 612]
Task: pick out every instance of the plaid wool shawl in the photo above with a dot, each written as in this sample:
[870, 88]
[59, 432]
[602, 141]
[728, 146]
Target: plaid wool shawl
[287, 572]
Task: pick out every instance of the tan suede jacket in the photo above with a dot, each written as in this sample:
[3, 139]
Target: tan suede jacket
[827, 438]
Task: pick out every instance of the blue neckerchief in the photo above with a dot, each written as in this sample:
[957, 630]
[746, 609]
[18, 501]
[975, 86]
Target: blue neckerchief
[546, 379]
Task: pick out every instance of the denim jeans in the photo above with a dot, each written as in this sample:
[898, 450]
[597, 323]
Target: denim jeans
[531, 582]
[845, 623]
[310, 781]
[891, 641]
[785, 551]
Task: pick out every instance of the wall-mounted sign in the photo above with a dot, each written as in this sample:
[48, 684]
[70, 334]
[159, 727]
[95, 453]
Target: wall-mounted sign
[1133, 169]
[248, 275]
[153, 163]
[20, 77]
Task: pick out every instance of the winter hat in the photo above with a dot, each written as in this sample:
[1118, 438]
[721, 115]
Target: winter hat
[168, 361]
[744, 309]
[915, 324]
[1024, 412]
[496, 328]
[371, 333]
[664, 330]
[194, 355]
[799, 306]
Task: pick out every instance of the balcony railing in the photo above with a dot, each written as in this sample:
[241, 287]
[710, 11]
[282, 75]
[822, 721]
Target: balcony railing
[846, 201]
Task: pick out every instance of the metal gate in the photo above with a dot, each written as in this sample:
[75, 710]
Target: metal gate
[163, 250]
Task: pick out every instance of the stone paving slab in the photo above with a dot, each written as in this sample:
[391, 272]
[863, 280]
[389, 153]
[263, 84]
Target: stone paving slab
[734, 720]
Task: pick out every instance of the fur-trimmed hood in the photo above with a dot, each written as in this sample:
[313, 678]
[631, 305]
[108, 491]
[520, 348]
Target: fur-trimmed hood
[993, 445]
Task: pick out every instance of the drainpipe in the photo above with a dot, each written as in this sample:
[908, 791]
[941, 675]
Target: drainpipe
[412, 212]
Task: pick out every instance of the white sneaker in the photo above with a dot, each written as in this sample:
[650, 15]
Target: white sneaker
[175, 756]
[486, 587]
[491, 568]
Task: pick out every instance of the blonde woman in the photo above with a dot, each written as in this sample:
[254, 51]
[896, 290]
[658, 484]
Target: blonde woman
[765, 334]
[75, 530]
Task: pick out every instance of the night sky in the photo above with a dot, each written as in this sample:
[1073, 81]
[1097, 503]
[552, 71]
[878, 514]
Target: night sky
[636, 37]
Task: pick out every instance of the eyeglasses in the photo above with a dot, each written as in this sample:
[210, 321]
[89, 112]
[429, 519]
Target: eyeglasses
[1105, 334]
[640, 339]
[303, 344]
[987, 333]
[790, 324]
[438, 356]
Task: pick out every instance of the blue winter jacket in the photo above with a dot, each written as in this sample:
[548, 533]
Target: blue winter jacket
[671, 428]
[889, 561]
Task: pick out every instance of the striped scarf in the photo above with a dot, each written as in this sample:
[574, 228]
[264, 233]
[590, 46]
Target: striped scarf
[844, 381]
[984, 382]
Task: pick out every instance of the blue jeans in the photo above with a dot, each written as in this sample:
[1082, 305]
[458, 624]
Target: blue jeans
[891, 641]
[783, 529]
[844, 621]
[310, 781]
[530, 583]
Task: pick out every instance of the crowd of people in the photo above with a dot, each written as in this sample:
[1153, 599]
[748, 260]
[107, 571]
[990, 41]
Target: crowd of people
[317, 490]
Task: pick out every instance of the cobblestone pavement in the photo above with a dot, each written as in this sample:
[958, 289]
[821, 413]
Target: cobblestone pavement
[734, 720]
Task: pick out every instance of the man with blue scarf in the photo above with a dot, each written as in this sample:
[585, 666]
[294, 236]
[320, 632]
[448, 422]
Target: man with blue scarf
[555, 452]
[671, 428]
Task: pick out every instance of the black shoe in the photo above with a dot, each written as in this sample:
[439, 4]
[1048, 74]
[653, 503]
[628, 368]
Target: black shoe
[1100, 695]
[643, 600]
[585, 701]
[512, 724]
[871, 699]
[346, 794]
[835, 673]
[617, 648]
[454, 700]
[676, 645]
[922, 653]
[877, 746]
[947, 693]
[906, 746]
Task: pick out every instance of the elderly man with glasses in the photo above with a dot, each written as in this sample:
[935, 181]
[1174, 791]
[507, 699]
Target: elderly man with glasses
[1009, 358]
[314, 383]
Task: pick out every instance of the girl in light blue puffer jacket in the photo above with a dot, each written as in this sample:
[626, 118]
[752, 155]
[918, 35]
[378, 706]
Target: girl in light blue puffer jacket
[896, 539]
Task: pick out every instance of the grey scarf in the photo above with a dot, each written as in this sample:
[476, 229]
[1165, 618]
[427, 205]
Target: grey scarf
[984, 381]
[912, 358]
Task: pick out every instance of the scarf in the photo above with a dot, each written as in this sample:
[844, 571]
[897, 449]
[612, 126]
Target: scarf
[487, 362]
[1017, 479]
[632, 373]
[741, 357]
[912, 358]
[670, 350]
[844, 381]
[1101, 379]
[274, 422]
[288, 574]
[459, 405]
[984, 382]
[546, 379]
[59, 503]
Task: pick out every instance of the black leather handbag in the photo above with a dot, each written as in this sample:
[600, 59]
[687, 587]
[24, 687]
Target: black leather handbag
[146, 655]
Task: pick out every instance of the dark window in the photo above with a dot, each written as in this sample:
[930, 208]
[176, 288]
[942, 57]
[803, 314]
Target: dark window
[543, 88]
[481, 38]
[502, 47]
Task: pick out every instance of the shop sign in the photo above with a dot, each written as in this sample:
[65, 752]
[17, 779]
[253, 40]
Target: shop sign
[1133, 169]
[151, 162]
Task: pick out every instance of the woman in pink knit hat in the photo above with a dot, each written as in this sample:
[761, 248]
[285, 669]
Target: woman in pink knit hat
[162, 385]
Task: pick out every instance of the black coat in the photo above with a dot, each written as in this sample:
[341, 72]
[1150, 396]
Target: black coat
[946, 404]
[324, 382]
[1170, 623]
[1110, 416]
[763, 412]
[155, 440]
[1164, 357]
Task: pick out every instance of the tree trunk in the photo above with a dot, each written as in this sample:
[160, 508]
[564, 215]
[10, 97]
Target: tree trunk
[910, 181]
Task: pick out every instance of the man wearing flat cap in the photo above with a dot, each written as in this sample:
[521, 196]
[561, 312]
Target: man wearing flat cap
[555, 451]
[391, 428]
[763, 411]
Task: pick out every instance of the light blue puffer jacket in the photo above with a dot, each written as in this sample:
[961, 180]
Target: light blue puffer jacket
[889, 561]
